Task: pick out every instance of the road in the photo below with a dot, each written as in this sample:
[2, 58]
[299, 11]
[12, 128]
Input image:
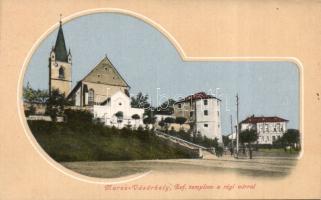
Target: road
[260, 166]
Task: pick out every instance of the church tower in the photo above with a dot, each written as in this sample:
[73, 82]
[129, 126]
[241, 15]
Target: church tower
[60, 66]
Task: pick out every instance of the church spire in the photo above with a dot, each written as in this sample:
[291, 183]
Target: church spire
[60, 46]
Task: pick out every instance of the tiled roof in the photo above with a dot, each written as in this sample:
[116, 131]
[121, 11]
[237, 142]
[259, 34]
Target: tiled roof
[197, 96]
[254, 120]
[105, 73]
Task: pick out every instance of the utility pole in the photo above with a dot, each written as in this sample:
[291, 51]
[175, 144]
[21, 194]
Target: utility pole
[237, 126]
[231, 123]
[232, 133]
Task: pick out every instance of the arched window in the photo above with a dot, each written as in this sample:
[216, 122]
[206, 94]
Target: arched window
[61, 72]
[91, 97]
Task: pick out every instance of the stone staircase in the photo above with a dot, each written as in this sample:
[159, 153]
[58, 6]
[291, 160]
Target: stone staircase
[203, 152]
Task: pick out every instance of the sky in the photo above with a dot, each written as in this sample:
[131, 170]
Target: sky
[149, 63]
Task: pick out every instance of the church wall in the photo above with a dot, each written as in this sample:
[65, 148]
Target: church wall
[102, 91]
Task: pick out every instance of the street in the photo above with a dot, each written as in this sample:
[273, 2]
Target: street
[268, 165]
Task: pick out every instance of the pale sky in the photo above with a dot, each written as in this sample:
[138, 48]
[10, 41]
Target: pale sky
[147, 60]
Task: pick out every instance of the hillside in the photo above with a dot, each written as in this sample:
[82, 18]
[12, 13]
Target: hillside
[95, 142]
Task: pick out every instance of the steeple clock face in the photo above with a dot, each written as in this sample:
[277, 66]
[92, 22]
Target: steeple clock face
[56, 64]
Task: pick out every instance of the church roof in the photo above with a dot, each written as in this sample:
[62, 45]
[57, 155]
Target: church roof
[60, 46]
[105, 73]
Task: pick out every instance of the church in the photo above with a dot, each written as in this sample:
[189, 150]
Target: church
[95, 88]
[103, 91]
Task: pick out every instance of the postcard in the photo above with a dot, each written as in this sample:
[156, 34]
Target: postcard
[160, 100]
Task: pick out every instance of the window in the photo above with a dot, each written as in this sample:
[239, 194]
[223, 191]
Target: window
[61, 72]
[205, 125]
[205, 112]
[98, 75]
[218, 126]
[191, 114]
[278, 126]
[179, 105]
[205, 102]
[273, 138]
[91, 97]
[218, 113]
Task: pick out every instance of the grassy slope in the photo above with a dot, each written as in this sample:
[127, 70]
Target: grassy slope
[89, 142]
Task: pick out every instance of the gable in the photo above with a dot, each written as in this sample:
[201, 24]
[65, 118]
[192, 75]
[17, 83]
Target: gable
[105, 73]
[120, 95]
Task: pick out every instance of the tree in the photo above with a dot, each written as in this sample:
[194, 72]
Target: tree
[197, 138]
[291, 137]
[119, 116]
[248, 136]
[135, 117]
[140, 101]
[55, 104]
[226, 140]
[166, 107]
[161, 123]
[33, 96]
[180, 120]
[149, 120]
[169, 120]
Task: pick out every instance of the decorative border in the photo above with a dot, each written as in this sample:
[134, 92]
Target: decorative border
[183, 56]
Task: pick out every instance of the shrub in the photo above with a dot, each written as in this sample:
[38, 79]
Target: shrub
[180, 120]
[78, 116]
[169, 120]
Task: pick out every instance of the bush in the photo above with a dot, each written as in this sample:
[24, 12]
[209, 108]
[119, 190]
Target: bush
[169, 120]
[219, 151]
[78, 116]
[31, 111]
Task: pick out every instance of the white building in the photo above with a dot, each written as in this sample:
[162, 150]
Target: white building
[160, 117]
[119, 103]
[202, 112]
[231, 136]
[269, 129]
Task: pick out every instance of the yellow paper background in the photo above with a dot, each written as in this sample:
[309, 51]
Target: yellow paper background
[207, 29]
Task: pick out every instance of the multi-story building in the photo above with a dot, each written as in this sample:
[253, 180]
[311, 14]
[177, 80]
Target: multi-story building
[269, 129]
[202, 112]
